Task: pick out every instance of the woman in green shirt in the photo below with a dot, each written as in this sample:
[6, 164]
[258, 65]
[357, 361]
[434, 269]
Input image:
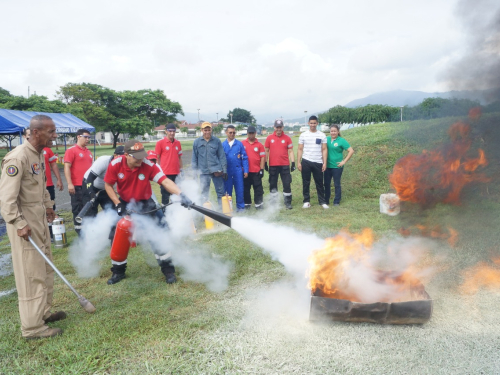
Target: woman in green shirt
[336, 146]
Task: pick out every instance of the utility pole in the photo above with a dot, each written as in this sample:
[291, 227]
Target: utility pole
[28, 91]
[231, 114]
[402, 113]
[217, 114]
[198, 115]
[305, 118]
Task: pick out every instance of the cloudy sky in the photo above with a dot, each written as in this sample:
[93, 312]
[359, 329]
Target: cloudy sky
[270, 57]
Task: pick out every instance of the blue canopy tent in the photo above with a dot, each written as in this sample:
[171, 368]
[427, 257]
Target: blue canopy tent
[13, 123]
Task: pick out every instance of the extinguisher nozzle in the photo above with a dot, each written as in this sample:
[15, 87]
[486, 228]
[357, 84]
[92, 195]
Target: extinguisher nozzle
[87, 306]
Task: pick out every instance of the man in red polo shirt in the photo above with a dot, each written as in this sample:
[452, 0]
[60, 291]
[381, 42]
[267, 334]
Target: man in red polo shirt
[169, 152]
[256, 159]
[77, 160]
[279, 153]
[132, 174]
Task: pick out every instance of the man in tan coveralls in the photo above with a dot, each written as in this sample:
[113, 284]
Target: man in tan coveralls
[26, 206]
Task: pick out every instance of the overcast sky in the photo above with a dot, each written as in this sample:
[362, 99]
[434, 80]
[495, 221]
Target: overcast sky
[270, 57]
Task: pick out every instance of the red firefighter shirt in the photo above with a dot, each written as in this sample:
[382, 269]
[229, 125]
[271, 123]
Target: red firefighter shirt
[255, 152]
[50, 158]
[81, 160]
[169, 152]
[133, 184]
[278, 149]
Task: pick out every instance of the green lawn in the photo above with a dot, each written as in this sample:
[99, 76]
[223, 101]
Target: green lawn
[144, 326]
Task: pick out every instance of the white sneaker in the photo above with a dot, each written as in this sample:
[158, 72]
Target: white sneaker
[325, 206]
[306, 205]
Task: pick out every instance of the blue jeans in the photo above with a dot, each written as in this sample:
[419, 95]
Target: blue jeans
[336, 173]
[205, 187]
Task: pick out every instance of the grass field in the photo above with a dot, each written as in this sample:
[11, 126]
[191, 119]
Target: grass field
[259, 324]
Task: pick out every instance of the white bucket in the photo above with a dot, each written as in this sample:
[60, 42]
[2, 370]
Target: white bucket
[389, 204]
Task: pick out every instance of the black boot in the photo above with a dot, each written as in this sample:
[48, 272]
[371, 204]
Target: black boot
[118, 273]
[168, 269]
[288, 201]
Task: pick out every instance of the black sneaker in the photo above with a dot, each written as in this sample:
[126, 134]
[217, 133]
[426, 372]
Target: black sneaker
[116, 278]
[170, 278]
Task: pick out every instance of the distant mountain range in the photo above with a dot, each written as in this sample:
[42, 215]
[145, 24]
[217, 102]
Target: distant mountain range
[394, 98]
[399, 98]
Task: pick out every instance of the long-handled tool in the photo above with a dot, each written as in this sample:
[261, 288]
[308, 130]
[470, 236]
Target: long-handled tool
[88, 205]
[84, 302]
[217, 216]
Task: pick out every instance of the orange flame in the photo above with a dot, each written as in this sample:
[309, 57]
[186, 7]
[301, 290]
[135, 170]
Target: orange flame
[482, 275]
[331, 276]
[439, 175]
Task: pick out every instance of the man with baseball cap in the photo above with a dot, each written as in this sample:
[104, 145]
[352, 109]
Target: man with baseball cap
[256, 160]
[132, 174]
[209, 161]
[169, 153]
[279, 153]
[93, 183]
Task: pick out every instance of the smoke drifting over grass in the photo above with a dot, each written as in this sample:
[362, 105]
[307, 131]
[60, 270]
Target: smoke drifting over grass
[354, 262]
[93, 245]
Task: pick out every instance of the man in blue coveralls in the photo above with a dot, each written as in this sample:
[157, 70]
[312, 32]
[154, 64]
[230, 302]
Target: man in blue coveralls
[237, 166]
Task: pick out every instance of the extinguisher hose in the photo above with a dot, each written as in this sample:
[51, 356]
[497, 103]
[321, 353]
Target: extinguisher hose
[129, 212]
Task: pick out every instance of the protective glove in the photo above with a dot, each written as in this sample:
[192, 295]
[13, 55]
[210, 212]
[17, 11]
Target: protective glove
[293, 167]
[224, 176]
[266, 167]
[185, 201]
[121, 209]
[261, 173]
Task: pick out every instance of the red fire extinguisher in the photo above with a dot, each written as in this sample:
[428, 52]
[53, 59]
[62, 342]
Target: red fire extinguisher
[122, 241]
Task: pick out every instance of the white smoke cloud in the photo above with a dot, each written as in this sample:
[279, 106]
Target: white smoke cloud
[93, 244]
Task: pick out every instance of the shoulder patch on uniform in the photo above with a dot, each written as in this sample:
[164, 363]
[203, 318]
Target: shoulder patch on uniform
[12, 170]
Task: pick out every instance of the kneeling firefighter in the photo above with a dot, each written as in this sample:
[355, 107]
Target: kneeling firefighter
[132, 174]
[93, 183]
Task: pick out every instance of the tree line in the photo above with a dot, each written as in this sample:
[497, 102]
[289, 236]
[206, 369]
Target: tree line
[119, 112]
[430, 108]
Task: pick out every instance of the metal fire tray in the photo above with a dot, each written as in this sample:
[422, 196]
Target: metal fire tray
[417, 311]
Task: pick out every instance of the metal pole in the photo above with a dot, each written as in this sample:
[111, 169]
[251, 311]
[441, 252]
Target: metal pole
[64, 142]
[217, 114]
[83, 301]
[94, 143]
[401, 113]
[305, 118]
[198, 115]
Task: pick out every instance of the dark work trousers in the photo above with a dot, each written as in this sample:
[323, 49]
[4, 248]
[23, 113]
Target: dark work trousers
[286, 178]
[52, 192]
[336, 174]
[76, 206]
[165, 195]
[309, 167]
[253, 180]
[102, 199]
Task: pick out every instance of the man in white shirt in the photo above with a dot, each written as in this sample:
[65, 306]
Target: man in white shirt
[311, 158]
[93, 183]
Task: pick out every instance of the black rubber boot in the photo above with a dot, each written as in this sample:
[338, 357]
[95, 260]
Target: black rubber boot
[118, 273]
[168, 269]
[288, 201]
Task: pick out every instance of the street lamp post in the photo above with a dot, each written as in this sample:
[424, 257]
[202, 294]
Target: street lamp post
[198, 115]
[402, 113]
[305, 118]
